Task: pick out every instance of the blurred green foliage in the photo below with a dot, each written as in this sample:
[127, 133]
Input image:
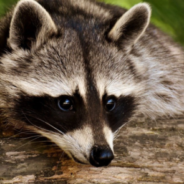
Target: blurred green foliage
[168, 15]
[5, 5]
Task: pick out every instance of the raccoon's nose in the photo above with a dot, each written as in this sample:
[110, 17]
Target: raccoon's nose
[101, 157]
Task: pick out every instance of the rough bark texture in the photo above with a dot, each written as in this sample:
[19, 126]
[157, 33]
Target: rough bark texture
[147, 152]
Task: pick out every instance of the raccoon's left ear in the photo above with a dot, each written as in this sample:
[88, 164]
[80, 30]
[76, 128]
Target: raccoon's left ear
[30, 25]
[131, 25]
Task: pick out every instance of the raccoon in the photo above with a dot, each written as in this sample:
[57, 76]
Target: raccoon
[76, 71]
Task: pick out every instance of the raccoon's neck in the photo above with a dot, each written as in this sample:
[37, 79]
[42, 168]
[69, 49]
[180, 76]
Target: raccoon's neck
[163, 74]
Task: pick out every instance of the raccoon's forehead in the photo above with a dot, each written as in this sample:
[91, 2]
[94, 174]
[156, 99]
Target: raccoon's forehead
[69, 63]
[114, 72]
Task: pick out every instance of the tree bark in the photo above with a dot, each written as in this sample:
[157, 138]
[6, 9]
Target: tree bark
[146, 152]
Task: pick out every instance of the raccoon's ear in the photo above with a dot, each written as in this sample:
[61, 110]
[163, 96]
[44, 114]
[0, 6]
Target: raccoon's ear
[131, 25]
[30, 24]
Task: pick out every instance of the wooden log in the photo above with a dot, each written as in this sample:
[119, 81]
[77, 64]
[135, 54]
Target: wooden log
[146, 152]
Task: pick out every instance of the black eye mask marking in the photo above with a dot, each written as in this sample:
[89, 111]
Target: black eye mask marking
[119, 110]
[67, 113]
[64, 113]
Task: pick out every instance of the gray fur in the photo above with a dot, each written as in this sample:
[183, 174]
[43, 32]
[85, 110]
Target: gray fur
[88, 47]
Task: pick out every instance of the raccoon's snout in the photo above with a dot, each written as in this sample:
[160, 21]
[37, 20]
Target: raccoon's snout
[101, 157]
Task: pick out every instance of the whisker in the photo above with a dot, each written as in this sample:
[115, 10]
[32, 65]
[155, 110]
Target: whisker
[49, 125]
[27, 143]
[18, 134]
[54, 128]
[39, 128]
[68, 139]
[25, 138]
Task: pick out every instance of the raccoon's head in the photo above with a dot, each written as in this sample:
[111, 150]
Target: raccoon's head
[68, 76]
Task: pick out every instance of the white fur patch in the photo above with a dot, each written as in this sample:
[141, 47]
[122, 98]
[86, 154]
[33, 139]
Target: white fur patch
[108, 136]
[37, 88]
[119, 87]
[53, 87]
[82, 87]
[84, 138]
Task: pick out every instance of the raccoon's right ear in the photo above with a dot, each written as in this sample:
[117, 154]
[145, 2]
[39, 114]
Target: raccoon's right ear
[130, 26]
[30, 25]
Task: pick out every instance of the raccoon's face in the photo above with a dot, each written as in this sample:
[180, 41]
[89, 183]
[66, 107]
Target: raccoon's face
[72, 85]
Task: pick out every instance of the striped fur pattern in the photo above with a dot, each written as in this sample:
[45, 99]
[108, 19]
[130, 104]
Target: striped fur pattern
[91, 53]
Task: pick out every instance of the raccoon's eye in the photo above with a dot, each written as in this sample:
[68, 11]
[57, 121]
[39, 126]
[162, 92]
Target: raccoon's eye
[65, 103]
[110, 104]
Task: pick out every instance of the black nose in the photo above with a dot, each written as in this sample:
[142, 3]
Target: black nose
[101, 157]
